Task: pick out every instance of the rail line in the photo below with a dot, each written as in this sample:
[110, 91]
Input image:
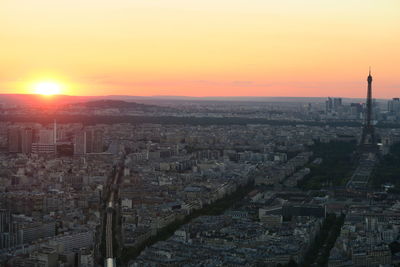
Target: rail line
[110, 259]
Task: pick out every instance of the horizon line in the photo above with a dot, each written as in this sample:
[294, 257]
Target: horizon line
[181, 96]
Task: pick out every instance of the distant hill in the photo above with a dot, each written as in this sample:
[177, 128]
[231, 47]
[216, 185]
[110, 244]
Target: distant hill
[39, 100]
[108, 103]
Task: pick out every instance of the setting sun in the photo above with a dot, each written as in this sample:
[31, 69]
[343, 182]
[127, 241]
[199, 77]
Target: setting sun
[47, 88]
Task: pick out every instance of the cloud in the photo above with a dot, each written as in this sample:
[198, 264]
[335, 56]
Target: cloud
[242, 83]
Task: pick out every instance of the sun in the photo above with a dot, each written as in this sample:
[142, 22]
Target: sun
[47, 88]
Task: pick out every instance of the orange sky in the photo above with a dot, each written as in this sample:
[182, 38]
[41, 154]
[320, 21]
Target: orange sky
[201, 48]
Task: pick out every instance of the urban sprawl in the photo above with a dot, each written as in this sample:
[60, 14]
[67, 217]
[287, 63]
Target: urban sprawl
[206, 193]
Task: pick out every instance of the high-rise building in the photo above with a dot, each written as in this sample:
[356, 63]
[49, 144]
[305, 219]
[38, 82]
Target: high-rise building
[88, 141]
[5, 223]
[26, 140]
[8, 230]
[55, 132]
[5, 220]
[46, 136]
[337, 102]
[97, 141]
[14, 140]
[80, 143]
[356, 110]
[332, 104]
[394, 105]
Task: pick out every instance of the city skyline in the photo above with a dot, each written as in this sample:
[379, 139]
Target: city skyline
[290, 48]
[107, 182]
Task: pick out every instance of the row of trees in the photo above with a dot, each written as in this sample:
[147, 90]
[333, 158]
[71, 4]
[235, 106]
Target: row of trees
[216, 208]
[388, 170]
[94, 119]
[319, 251]
[336, 168]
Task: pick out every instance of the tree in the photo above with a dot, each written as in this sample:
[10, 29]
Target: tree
[292, 263]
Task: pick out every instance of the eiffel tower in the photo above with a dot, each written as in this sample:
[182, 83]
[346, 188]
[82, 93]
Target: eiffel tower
[368, 139]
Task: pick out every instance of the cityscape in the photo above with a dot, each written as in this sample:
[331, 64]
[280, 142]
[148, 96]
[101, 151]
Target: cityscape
[224, 184]
[199, 133]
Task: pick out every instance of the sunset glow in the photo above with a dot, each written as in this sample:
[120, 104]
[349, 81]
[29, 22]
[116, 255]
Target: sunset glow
[203, 48]
[47, 88]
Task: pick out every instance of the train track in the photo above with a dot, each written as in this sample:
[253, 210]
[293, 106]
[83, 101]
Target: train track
[110, 259]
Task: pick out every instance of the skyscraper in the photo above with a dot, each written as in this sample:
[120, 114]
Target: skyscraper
[26, 140]
[97, 141]
[394, 105]
[14, 140]
[332, 104]
[88, 141]
[80, 143]
[55, 132]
